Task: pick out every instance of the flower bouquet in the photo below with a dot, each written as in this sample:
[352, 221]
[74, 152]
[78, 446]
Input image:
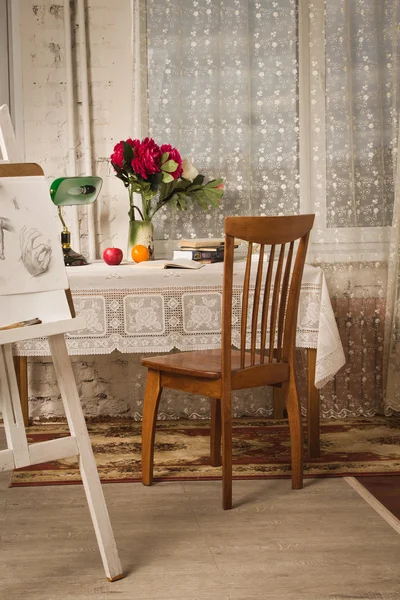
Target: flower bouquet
[161, 177]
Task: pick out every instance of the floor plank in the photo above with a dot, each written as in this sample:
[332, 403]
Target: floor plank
[320, 543]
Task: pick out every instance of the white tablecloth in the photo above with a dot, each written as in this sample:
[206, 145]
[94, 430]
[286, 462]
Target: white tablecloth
[136, 309]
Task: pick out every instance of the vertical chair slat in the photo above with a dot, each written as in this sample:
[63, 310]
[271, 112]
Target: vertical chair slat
[245, 305]
[282, 305]
[256, 304]
[275, 300]
[289, 336]
[267, 293]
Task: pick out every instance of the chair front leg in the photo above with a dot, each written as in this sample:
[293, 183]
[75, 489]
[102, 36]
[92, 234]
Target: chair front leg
[226, 406]
[215, 433]
[289, 389]
[150, 408]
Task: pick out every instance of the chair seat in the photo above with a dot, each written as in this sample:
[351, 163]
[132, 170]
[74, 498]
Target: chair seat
[204, 363]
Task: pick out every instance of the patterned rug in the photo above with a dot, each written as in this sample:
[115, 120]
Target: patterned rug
[261, 450]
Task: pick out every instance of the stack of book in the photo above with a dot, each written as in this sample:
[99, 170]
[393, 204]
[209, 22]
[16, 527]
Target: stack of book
[203, 250]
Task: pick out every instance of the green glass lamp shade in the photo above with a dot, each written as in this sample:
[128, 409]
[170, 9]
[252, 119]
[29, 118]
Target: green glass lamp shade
[73, 191]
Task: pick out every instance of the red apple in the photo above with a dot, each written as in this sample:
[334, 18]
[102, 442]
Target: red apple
[112, 256]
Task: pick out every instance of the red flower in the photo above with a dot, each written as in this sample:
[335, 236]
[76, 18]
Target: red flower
[173, 155]
[147, 157]
[117, 157]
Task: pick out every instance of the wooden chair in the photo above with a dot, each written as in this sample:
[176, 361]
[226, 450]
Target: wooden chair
[216, 373]
[37, 288]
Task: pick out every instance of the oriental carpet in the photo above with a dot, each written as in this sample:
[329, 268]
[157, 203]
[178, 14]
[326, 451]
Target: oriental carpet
[261, 450]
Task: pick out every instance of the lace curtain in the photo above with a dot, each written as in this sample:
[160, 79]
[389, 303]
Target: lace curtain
[295, 104]
[222, 87]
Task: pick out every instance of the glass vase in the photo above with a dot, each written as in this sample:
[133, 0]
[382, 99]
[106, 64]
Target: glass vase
[141, 232]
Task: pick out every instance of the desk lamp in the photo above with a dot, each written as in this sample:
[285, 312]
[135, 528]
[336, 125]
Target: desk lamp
[73, 191]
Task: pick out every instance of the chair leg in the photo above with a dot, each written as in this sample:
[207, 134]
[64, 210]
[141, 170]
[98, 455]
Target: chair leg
[150, 408]
[215, 433]
[226, 402]
[296, 431]
[21, 370]
[87, 463]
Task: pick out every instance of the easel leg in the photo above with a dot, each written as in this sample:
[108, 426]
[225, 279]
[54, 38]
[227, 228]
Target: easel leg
[87, 463]
[312, 406]
[279, 403]
[21, 371]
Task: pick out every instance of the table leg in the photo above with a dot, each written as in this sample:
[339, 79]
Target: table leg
[312, 406]
[21, 370]
[279, 404]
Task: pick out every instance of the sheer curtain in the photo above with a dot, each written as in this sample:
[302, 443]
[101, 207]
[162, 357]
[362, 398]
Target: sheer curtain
[222, 87]
[295, 103]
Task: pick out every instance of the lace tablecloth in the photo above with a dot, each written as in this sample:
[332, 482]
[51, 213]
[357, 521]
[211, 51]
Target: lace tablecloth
[136, 309]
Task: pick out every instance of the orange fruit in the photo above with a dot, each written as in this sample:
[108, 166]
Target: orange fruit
[140, 253]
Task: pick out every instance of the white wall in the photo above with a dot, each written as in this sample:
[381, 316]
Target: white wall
[4, 89]
[44, 98]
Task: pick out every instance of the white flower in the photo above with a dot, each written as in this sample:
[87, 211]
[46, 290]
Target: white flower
[189, 170]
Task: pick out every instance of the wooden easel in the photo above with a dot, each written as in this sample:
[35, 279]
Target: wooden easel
[52, 308]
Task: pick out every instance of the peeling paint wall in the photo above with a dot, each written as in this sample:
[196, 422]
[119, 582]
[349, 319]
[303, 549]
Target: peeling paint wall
[106, 384]
[45, 102]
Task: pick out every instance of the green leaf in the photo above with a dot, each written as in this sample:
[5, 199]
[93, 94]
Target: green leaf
[212, 197]
[198, 180]
[128, 153]
[181, 203]
[164, 157]
[167, 178]
[167, 188]
[214, 183]
[170, 166]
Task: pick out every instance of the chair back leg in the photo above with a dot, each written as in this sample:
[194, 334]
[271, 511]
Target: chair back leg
[87, 463]
[289, 389]
[215, 433]
[226, 411]
[152, 397]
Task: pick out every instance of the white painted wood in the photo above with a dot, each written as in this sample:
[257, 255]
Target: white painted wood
[8, 142]
[4, 69]
[19, 334]
[87, 463]
[11, 409]
[7, 460]
[53, 450]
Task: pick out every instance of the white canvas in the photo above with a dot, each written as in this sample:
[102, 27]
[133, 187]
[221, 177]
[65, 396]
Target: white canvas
[31, 258]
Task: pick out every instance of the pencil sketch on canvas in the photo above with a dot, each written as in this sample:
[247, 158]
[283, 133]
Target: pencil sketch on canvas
[31, 257]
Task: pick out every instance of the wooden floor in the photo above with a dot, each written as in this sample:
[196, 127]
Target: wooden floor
[322, 542]
[386, 489]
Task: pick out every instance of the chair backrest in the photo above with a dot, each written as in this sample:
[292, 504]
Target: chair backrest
[272, 317]
[8, 144]
[33, 278]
